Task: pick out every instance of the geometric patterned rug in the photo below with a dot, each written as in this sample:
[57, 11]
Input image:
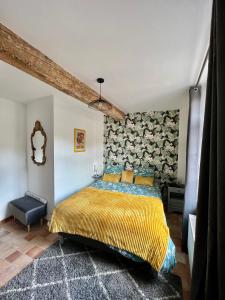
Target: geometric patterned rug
[73, 271]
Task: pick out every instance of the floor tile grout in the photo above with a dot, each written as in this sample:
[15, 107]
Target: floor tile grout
[23, 240]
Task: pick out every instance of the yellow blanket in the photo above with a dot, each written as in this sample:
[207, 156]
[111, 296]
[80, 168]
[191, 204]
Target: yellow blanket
[130, 222]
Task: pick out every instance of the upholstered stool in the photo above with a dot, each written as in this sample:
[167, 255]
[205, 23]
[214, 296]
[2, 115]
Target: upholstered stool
[28, 210]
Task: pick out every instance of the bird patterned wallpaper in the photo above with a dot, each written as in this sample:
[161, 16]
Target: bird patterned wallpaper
[144, 139]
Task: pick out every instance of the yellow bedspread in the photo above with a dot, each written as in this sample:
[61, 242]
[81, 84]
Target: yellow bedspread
[130, 222]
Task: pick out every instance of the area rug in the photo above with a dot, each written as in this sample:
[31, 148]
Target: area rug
[72, 271]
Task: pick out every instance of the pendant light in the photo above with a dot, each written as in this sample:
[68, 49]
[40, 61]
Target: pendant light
[100, 104]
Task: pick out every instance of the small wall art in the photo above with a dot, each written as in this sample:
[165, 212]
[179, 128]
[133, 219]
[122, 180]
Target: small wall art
[79, 140]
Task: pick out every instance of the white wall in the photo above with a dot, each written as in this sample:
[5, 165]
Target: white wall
[13, 180]
[65, 171]
[41, 178]
[183, 127]
[74, 170]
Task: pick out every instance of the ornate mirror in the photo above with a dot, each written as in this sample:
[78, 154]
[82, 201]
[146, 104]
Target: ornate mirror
[38, 144]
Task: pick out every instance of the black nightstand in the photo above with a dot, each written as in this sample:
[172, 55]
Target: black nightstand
[28, 210]
[175, 199]
[96, 177]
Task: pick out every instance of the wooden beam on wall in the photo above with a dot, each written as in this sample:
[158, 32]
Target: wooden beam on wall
[20, 54]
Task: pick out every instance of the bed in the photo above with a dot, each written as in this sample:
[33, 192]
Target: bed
[127, 218]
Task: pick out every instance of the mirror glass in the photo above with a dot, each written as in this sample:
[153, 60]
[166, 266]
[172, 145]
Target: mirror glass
[38, 144]
[38, 141]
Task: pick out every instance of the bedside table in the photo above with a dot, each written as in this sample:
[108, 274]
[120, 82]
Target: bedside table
[28, 210]
[96, 177]
[175, 199]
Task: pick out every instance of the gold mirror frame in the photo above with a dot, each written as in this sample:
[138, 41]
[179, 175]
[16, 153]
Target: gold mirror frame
[38, 127]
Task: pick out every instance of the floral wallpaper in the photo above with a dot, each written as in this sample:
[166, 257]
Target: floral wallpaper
[144, 139]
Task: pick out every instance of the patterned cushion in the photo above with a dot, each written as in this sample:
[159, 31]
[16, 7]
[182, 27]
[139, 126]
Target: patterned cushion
[144, 180]
[144, 171]
[113, 169]
[111, 177]
[134, 189]
[127, 176]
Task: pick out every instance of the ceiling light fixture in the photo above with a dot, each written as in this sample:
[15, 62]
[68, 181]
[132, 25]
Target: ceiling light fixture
[100, 104]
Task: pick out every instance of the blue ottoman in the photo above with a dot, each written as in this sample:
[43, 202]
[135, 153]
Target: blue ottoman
[28, 210]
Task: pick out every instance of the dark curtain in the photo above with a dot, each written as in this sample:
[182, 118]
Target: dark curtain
[208, 277]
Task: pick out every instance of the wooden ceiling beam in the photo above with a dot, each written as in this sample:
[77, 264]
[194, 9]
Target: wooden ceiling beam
[20, 54]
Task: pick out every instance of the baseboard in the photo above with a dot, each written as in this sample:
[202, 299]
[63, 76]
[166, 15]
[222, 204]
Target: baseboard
[46, 219]
[6, 220]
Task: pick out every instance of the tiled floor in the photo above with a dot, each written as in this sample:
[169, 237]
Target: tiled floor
[182, 268]
[18, 248]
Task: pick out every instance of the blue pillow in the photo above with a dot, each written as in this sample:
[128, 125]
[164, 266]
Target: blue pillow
[144, 171]
[113, 169]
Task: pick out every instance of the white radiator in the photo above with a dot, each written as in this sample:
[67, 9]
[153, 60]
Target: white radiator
[191, 239]
[28, 193]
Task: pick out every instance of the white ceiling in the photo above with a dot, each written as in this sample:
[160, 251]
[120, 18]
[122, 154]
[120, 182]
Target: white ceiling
[148, 51]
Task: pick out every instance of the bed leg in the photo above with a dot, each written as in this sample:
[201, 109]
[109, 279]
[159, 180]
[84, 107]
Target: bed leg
[155, 274]
[61, 240]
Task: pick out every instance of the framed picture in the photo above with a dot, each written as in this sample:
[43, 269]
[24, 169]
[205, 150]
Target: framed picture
[79, 140]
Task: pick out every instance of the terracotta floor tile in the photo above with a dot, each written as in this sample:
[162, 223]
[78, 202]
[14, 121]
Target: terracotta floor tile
[9, 273]
[23, 261]
[182, 271]
[19, 233]
[3, 265]
[181, 257]
[29, 236]
[6, 250]
[5, 269]
[30, 245]
[23, 248]
[13, 256]
[177, 243]
[176, 234]
[186, 282]
[14, 245]
[17, 227]
[34, 252]
[37, 228]
[6, 226]
[52, 237]
[41, 241]
[186, 295]
[44, 232]
[187, 262]
[3, 233]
